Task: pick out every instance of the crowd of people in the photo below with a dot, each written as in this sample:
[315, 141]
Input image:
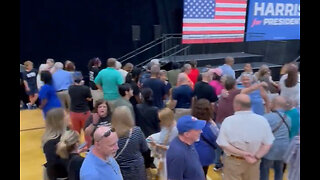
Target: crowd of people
[179, 121]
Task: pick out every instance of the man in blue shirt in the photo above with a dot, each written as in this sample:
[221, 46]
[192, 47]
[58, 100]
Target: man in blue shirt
[227, 67]
[61, 81]
[280, 128]
[183, 161]
[157, 86]
[99, 162]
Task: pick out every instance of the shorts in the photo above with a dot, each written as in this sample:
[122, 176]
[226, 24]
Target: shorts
[32, 91]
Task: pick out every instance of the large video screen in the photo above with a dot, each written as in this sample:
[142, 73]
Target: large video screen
[273, 20]
[213, 21]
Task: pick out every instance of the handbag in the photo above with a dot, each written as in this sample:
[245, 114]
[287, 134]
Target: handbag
[124, 147]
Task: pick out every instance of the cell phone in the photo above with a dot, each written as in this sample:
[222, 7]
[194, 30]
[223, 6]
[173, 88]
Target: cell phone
[148, 140]
[82, 145]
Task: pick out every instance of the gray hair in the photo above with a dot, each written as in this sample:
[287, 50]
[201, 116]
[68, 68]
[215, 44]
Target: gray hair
[58, 65]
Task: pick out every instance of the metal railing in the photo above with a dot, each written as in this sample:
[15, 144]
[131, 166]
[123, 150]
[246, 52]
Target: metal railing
[169, 43]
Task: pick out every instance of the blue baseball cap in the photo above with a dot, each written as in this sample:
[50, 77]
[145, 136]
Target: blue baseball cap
[188, 122]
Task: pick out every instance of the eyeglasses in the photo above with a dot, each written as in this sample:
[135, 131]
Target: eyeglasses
[106, 134]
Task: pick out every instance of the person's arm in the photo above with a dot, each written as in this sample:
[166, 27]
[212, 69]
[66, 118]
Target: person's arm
[264, 96]
[172, 104]
[263, 150]
[26, 86]
[43, 103]
[99, 87]
[234, 150]
[95, 119]
[253, 87]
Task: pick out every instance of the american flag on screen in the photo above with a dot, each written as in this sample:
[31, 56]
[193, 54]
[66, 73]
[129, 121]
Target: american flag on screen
[213, 21]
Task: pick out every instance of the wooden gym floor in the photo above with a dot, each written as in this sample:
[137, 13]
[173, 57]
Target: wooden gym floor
[32, 157]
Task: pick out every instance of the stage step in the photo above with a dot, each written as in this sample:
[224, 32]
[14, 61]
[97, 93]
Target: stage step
[213, 59]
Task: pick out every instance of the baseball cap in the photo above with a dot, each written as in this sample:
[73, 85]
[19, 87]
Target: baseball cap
[218, 71]
[188, 122]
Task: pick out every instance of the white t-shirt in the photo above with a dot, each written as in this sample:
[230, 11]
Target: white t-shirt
[246, 131]
[123, 74]
[292, 93]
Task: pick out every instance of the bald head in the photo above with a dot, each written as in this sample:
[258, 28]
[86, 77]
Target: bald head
[100, 132]
[279, 102]
[229, 60]
[111, 62]
[241, 102]
[182, 78]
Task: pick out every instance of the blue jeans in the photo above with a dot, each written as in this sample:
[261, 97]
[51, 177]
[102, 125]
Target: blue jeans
[218, 153]
[265, 166]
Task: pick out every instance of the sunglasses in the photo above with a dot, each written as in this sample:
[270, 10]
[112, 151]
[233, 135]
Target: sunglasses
[106, 134]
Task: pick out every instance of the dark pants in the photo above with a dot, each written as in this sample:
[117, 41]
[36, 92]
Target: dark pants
[267, 164]
[205, 170]
[148, 160]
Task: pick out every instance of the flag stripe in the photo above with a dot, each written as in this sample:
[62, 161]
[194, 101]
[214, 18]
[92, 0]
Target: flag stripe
[211, 24]
[202, 41]
[211, 28]
[230, 9]
[213, 20]
[230, 13]
[213, 32]
[232, 1]
[230, 5]
[211, 36]
[230, 17]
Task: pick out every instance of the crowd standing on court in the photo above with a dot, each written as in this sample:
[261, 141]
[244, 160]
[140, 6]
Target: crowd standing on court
[179, 121]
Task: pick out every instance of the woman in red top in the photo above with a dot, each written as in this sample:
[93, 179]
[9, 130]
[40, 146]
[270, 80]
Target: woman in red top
[194, 73]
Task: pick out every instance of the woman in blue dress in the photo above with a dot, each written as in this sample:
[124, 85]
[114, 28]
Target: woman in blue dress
[259, 99]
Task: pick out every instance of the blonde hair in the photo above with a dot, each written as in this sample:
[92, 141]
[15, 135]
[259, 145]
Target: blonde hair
[166, 117]
[55, 124]
[67, 143]
[27, 64]
[122, 120]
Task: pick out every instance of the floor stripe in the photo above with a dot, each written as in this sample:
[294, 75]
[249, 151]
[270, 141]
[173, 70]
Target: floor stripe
[30, 129]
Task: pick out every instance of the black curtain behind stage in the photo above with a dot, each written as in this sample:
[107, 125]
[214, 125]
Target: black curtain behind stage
[81, 29]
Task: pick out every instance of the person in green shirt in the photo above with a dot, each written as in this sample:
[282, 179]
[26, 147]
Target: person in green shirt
[108, 81]
[294, 115]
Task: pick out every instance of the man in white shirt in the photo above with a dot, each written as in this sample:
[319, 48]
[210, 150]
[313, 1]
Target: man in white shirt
[245, 137]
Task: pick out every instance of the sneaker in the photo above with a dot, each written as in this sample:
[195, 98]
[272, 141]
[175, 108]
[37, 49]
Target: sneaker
[217, 168]
[29, 106]
[34, 106]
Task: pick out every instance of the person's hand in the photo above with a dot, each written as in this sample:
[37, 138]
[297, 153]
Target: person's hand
[264, 84]
[27, 89]
[250, 159]
[95, 118]
[224, 93]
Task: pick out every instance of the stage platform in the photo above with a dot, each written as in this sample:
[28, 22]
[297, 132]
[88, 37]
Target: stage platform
[217, 59]
[213, 59]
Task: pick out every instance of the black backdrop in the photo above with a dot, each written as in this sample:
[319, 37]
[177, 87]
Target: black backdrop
[80, 29]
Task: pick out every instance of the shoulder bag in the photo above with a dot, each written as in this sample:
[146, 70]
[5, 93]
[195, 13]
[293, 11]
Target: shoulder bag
[124, 147]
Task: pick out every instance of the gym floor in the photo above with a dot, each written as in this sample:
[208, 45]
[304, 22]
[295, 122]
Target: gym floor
[31, 154]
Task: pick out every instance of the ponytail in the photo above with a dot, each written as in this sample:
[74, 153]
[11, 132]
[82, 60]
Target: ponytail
[67, 143]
